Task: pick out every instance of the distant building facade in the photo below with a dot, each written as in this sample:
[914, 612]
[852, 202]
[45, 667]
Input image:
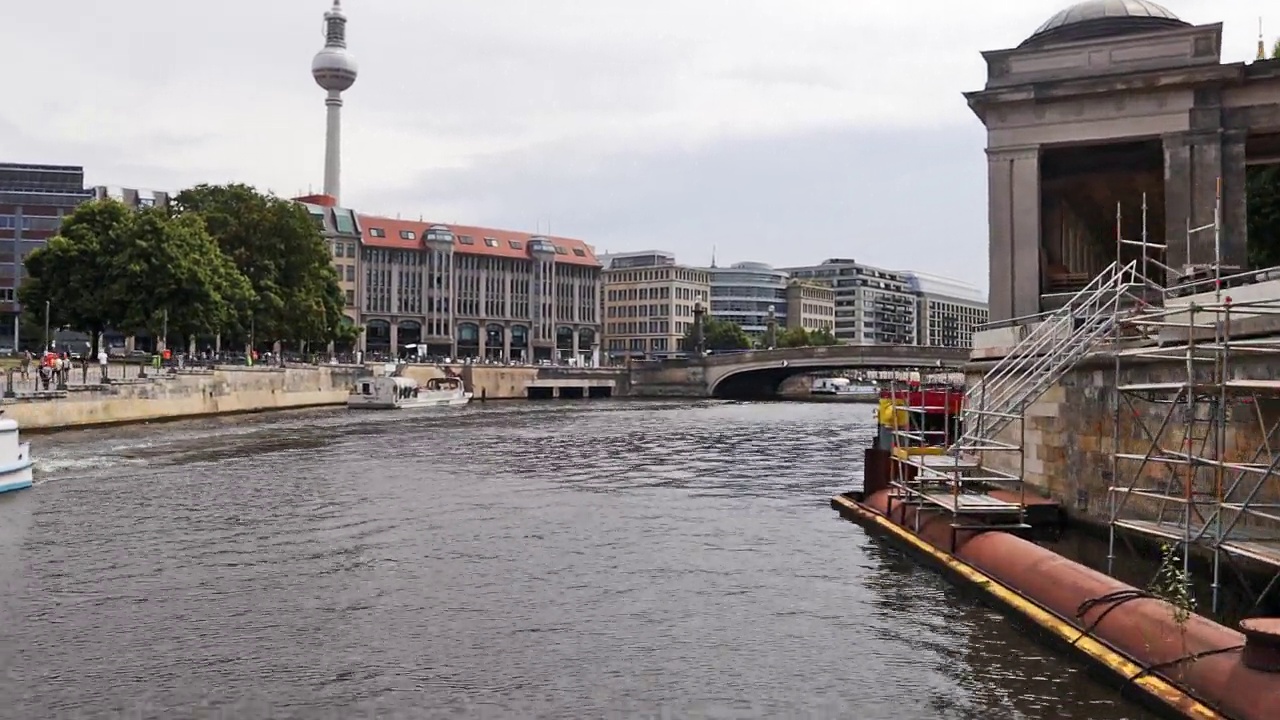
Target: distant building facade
[948, 311]
[472, 292]
[340, 228]
[873, 306]
[811, 305]
[748, 294]
[648, 302]
[33, 201]
[132, 197]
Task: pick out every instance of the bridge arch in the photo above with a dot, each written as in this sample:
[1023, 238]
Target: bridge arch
[759, 374]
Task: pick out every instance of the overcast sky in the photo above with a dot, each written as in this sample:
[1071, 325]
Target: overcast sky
[781, 131]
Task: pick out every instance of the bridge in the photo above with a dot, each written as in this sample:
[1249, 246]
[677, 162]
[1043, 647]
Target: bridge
[759, 373]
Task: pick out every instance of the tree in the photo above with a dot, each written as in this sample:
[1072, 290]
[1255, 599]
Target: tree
[719, 335]
[275, 245]
[793, 338]
[178, 277]
[822, 337]
[74, 274]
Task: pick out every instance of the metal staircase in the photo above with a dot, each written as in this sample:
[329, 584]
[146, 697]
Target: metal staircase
[1042, 358]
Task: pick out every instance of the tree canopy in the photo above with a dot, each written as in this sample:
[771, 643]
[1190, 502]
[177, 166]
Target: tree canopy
[275, 245]
[799, 337]
[1262, 193]
[222, 260]
[719, 335]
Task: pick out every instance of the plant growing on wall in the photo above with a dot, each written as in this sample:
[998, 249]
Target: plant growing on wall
[1172, 584]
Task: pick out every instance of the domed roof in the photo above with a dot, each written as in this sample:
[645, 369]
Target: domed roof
[1104, 18]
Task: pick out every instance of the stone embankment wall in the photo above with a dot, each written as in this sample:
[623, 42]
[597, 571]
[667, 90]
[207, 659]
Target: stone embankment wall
[670, 379]
[224, 390]
[1070, 438]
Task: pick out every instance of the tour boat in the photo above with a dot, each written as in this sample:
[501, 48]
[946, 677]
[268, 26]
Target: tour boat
[394, 392]
[15, 458]
[843, 389]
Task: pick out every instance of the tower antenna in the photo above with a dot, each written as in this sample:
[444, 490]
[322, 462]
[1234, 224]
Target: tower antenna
[334, 70]
[1262, 46]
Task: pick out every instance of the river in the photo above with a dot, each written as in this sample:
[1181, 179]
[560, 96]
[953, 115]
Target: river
[559, 560]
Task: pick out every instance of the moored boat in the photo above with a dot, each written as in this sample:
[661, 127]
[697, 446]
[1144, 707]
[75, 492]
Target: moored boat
[839, 388]
[15, 458]
[401, 393]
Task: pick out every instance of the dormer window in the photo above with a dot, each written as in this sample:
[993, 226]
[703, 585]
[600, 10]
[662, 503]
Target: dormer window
[491, 242]
[466, 240]
[579, 252]
[561, 251]
[377, 232]
[406, 234]
[515, 244]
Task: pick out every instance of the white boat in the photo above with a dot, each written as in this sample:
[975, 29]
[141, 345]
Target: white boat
[15, 458]
[843, 389]
[393, 392]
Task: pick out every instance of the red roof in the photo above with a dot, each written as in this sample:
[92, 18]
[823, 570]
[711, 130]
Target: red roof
[321, 200]
[381, 232]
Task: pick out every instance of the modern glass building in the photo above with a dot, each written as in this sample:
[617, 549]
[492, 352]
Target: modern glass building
[744, 292]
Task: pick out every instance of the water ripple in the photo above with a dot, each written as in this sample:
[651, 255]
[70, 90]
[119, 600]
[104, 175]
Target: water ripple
[612, 559]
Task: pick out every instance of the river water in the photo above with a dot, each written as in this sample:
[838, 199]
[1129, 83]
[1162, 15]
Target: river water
[578, 560]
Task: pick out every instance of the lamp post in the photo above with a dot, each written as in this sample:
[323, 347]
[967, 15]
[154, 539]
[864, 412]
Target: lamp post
[771, 334]
[46, 326]
[699, 330]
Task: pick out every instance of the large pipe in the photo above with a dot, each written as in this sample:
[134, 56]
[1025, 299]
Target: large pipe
[1198, 654]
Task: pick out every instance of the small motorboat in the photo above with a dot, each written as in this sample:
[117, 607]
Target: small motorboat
[15, 457]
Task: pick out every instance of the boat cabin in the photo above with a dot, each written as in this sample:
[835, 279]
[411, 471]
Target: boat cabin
[449, 384]
[383, 392]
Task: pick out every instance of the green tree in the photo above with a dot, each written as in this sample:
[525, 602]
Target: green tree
[276, 246]
[793, 338]
[177, 278]
[74, 274]
[822, 337]
[719, 335]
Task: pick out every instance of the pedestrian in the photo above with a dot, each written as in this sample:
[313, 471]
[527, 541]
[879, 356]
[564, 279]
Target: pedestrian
[26, 364]
[102, 362]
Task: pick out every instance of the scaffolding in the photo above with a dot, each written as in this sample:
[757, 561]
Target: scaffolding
[1181, 472]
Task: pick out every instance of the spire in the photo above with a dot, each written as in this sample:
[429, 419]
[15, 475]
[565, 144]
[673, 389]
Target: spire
[1262, 48]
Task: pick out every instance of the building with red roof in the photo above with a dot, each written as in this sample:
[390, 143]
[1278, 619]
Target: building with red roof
[462, 291]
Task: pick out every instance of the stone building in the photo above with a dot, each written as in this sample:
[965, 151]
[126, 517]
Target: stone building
[948, 311]
[1107, 104]
[648, 303]
[341, 232]
[811, 305]
[873, 306]
[472, 292]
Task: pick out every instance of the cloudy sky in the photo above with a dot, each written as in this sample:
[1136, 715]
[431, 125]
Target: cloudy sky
[782, 131]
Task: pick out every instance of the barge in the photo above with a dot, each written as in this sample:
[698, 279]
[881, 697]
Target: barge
[922, 490]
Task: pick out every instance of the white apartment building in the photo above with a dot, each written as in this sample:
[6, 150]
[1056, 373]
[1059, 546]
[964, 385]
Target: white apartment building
[648, 302]
[948, 311]
[872, 306]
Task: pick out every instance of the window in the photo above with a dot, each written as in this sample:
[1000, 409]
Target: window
[406, 234]
[515, 244]
[318, 220]
[351, 273]
[579, 252]
[561, 251]
[466, 240]
[6, 295]
[337, 249]
[377, 232]
[491, 242]
[351, 249]
[351, 297]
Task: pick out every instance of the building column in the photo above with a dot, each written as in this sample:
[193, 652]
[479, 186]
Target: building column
[506, 342]
[1194, 164]
[1013, 197]
[575, 345]
[482, 338]
[394, 337]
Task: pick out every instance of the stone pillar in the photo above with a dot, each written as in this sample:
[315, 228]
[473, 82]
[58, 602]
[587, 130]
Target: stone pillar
[1013, 209]
[1194, 162]
[506, 341]
[482, 339]
[576, 355]
[394, 337]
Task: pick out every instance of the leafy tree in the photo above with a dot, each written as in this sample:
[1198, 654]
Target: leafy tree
[793, 338]
[177, 278]
[273, 243]
[74, 274]
[719, 335]
[822, 337]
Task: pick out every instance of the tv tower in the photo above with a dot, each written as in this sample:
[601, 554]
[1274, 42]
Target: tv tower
[334, 70]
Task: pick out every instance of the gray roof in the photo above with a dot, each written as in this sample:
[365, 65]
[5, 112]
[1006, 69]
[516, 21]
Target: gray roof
[1104, 18]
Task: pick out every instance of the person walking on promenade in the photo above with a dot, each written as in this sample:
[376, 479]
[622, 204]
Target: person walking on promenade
[26, 364]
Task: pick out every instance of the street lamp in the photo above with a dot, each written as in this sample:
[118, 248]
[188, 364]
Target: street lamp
[46, 326]
[771, 337]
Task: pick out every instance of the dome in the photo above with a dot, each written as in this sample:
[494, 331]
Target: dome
[334, 69]
[1093, 19]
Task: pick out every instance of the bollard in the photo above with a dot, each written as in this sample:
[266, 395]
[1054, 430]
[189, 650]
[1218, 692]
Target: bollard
[84, 373]
[8, 385]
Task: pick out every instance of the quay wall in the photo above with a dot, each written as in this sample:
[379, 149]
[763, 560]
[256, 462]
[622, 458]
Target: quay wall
[1069, 437]
[224, 390]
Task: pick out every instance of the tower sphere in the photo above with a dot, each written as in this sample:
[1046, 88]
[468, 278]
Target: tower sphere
[334, 69]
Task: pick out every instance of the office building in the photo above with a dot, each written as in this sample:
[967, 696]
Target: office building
[340, 229]
[648, 303]
[133, 197]
[811, 305]
[948, 311]
[471, 292]
[749, 294]
[873, 306]
[33, 201]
